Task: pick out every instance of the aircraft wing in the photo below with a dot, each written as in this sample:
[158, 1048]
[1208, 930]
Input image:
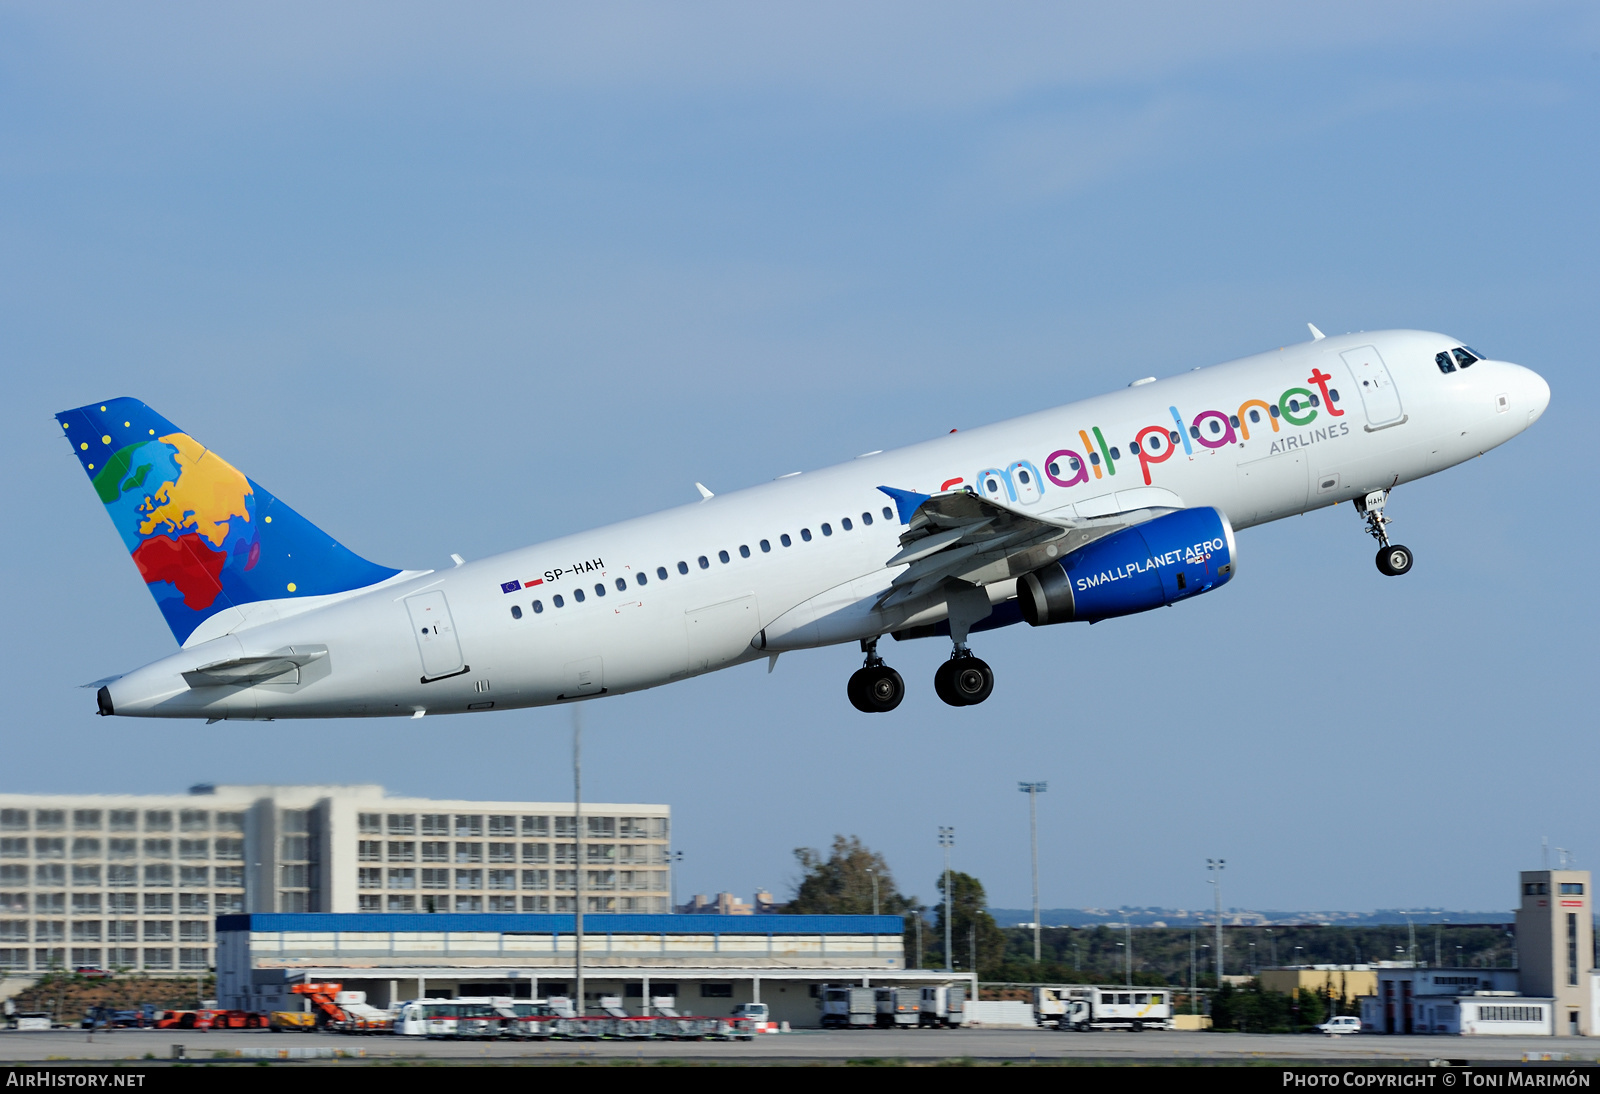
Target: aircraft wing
[960, 536]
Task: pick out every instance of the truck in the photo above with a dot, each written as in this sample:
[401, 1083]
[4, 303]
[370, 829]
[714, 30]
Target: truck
[898, 1007]
[343, 1011]
[848, 1006]
[1089, 1007]
[942, 1005]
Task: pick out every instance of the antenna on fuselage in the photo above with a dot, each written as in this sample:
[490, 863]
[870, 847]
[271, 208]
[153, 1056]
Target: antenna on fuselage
[1316, 335]
[705, 495]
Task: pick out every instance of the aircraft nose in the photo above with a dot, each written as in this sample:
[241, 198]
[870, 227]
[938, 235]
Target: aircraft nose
[1534, 392]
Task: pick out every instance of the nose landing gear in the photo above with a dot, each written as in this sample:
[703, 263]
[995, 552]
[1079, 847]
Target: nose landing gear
[1393, 559]
[875, 688]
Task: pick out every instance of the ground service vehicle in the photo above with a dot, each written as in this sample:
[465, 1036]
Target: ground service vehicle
[344, 1011]
[848, 1005]
[292, 1021]
[475, 1017]
[942, 1005]
[1341, 1023]
[898, 1007]
[1117, 1008]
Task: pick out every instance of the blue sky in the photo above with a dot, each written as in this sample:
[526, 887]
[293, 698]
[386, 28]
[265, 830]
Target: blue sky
[452, 280]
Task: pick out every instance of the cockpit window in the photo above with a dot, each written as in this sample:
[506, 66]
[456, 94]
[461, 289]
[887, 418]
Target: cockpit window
[1464, 358]
[1444, 362]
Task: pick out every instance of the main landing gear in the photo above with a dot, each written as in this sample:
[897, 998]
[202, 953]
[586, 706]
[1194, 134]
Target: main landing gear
[1393, 559]
[875, 688]
[964, 680]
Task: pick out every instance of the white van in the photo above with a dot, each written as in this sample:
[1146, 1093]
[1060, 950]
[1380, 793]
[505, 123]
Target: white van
[1343, 1023]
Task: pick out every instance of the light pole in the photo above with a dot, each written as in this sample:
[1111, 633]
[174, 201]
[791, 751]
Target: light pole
[1193, 997]
[1214, 867]
[1127, 933]
[873, 874]
[1033, 790]
[947, 839]
[577, 850]
[674, 859]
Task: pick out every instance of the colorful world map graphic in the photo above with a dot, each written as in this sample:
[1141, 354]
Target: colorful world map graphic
[204, 537]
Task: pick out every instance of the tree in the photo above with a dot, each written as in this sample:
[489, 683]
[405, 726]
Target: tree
[842, 883]
[969, 921]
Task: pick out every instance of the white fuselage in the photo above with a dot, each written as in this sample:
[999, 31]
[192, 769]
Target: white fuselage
[821, 590]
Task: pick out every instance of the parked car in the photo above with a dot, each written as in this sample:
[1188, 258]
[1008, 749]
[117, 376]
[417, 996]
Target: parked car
[1343, 1023]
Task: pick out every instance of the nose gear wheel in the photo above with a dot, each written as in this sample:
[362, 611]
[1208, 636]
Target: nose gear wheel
[1393, 559]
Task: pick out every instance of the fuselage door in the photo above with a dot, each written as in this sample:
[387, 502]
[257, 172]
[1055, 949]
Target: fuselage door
[1379, 396]
[435, 633]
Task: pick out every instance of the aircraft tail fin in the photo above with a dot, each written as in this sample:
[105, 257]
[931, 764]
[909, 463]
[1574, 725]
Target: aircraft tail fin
[204, 537]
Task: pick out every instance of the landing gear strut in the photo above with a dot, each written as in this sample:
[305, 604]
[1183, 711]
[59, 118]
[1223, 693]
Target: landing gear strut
[1393, 559]
[964, 680]
[875, 688]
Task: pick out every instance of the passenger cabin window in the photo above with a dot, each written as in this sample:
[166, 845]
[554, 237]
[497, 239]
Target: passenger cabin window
[866, 518]
[622, 583]
[1116, 453]
[888, 514]
[683, 567]
[557, 601]
[785, 540]
[661, 573]
[805, 534]
[641, 578]
[827, 529]
[744, 550]
[599, 589]
[538, 606]
[705, 563]
[766, 547]
[516, 611]
[577, 594]
[723, 555]
[1094, 457]
[846, 525]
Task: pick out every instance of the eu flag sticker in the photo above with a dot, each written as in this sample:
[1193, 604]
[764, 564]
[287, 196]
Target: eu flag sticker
[510, 586]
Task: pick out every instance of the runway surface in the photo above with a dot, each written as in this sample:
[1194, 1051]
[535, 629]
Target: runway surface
[1042, 1046]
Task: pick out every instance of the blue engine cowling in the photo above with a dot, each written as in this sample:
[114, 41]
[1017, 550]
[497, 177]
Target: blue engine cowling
[1159, 562]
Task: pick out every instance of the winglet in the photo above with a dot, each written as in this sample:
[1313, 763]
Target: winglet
[906, 501]
[705, 495]
[1316, 335]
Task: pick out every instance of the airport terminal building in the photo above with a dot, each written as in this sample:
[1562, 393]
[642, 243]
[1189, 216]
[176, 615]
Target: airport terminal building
[697, 964]
[137, 882]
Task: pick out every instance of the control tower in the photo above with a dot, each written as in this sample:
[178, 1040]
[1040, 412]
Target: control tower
[1555, 945]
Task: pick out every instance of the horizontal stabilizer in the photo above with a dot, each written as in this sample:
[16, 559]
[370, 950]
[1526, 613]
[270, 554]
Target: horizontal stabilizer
[255, 670]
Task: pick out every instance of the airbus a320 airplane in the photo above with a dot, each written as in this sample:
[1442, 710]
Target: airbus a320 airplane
[1102, 508]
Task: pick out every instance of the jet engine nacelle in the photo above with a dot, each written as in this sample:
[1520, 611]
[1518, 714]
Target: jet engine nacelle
[1150, 565]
